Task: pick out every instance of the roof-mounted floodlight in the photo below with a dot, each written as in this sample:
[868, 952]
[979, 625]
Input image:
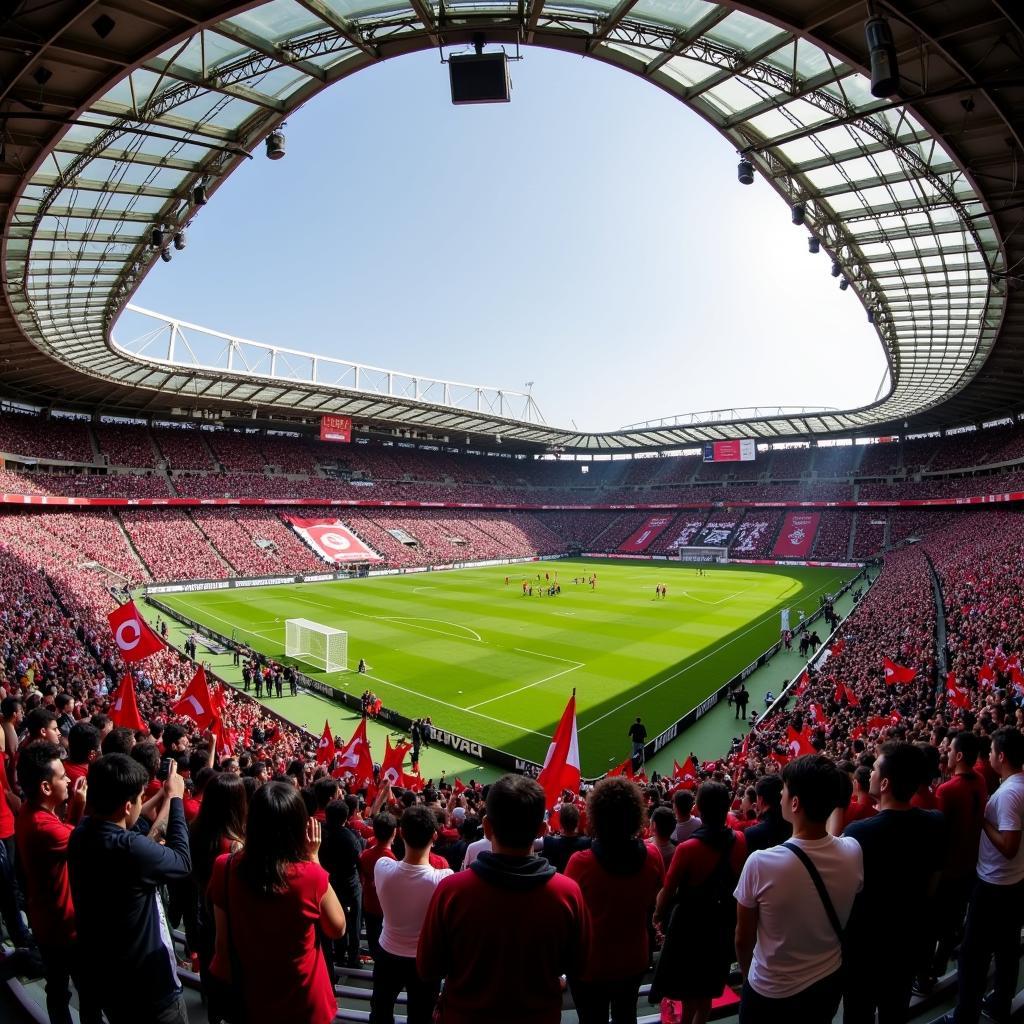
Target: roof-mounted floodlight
[745, 172]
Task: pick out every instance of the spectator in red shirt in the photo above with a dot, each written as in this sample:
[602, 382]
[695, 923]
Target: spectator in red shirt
[962, 802]
[697, 909]
[531, 921]
[16, 931]
[275, 894]
[620, 877]
[83, 749]
[43, 854]
[384, 828]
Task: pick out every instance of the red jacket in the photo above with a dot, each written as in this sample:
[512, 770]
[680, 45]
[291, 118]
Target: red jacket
[502, 933]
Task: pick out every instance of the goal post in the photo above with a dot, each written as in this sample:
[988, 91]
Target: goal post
[692, 553]
[318, 645]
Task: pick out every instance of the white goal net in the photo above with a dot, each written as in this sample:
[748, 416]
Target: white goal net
[317, 645]
[690, 553]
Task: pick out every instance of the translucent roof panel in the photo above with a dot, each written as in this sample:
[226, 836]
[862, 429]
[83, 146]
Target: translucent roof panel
[886, 198]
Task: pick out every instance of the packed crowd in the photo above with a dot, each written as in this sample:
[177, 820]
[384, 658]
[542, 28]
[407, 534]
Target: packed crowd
[876, 776]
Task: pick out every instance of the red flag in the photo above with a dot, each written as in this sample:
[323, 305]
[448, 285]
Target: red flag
[802, 685]
[1017, 677]
[838, 647]
[798, 742]
[561, 769]
[818, 714]
[746, 743]
[196, 702]
[685, 773]
[884, 721]
[897, 675]
[226, 738]
[986, 675]
[856, 732]
[956, 695]
[626, 768]
[780, 760]
[413, 781]
[459, 787]
[391, 766]
[355, 757]
[325, 746]
[220, 699]
[851, 698]
[124, 711]
[134, 639]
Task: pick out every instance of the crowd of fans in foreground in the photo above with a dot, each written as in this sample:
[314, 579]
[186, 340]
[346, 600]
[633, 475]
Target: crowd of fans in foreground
[906, 805]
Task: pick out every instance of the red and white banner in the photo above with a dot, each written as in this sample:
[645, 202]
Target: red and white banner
[643, 537]
[797, 535]
[333, 539]
[336, 428]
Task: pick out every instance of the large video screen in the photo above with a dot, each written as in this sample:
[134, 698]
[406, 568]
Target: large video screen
[336, 428]
[730, 451]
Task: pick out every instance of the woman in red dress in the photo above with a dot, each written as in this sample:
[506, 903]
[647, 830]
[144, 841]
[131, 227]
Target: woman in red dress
[272, 897]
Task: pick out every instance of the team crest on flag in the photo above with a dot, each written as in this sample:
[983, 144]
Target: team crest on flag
[134, 639]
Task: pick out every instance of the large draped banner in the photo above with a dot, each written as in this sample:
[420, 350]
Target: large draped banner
[333, 539]
[796, 538]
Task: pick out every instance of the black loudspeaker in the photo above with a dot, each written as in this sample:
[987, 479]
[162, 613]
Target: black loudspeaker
[479, 78]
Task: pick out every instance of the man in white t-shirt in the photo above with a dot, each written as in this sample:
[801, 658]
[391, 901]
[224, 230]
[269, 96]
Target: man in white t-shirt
[404, 888]
[787, 945]
[996, 912]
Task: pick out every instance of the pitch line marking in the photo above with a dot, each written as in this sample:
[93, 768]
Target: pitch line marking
[686, 668]
[411, 620]
[456, 707]
[537, 654]
[418, 590]
[528, 686]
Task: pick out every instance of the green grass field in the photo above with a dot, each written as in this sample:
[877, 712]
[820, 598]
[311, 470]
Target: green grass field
[488, 663]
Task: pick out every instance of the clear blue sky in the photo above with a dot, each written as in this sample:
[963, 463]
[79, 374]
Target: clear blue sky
[589, 236]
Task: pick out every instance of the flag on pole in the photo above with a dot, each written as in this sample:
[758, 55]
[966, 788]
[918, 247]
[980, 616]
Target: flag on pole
[355, 758]
[325, 746]
[686, 773]
[196, 702]
[391, 766]
[134, 639]
[562, 764]
[802, 684]
[956, 695]
[897, 675]
[124, 712]
[799, 742]
[626, 769]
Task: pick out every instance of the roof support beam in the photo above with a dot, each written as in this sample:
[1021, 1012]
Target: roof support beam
[245, 38]
[684, 39]
[241, 92]
[340, 24]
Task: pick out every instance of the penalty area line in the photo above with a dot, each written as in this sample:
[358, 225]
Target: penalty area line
[454, 707]
[528, 686]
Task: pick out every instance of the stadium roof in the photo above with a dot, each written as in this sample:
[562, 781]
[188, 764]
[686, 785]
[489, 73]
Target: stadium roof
[111, 114]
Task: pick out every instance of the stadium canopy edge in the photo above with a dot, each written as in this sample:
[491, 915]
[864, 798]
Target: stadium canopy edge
[111, 115]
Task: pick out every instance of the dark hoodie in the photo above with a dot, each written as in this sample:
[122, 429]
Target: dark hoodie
[501, 934]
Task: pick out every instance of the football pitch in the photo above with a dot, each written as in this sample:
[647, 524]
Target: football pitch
[489, 663]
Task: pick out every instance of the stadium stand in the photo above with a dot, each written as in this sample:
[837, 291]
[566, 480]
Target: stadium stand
[833, 537]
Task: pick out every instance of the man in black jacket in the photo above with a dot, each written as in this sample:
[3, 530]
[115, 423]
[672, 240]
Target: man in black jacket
[127, 953]
[339, 857]
[771, 828]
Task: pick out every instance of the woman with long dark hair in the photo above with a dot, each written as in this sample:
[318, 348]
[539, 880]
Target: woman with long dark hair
[620, 876]
[273, 896]
[219, 828]
[697, 909]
